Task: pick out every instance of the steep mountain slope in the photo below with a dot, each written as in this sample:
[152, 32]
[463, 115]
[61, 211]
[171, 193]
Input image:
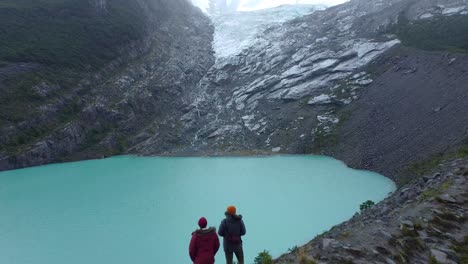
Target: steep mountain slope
[310, 85]
[81, 79]
[412, 112]
[295, 89]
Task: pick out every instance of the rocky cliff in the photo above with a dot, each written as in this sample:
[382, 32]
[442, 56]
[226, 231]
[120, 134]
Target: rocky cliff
[424, 222]
[107, 75]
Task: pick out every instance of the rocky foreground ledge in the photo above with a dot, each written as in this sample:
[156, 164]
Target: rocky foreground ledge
[423, 222]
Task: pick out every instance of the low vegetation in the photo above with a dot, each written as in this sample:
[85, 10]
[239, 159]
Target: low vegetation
[428, 165]
[293, 249]
[462, 251]
[67, 33]
[304, 259]
[60, 41]
[263, 258]
[366, 205]
[433, 260]
[409, 232]
[433, 192]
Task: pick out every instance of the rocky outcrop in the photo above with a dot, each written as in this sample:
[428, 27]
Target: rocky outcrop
[410, 113]
[424, 222]
[133, 97]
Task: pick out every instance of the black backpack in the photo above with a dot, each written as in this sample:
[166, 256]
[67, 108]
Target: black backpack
[233, 239]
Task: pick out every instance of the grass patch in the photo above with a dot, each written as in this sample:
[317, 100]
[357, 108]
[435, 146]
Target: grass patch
[433, 192]
[344, 235]
[463, 151]
[304, 259]
[426, 166]
[321, 235]
[69, 39]
[443, 33]
[67, 33]
[462, 251]
[406, 232]
[449, 216]
[421, 168]
[413, 244]
[443, 224]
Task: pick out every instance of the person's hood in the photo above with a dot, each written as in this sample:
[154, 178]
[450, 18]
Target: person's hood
[204, 232]
[233, 218]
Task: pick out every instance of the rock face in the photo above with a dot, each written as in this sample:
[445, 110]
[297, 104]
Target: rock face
[418, 98]
[125, 102]
[337, 81]
[414, 225]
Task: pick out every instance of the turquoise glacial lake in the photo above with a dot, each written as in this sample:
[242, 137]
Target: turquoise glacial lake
[143, 210]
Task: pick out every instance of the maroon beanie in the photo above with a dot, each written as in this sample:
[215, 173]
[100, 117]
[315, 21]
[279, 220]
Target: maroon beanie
[202, 223]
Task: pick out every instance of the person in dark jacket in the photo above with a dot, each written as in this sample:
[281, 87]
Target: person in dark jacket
[232, 229]
[204, 244]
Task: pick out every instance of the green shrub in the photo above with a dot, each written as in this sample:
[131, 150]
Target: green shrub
[406, 232]
[67, 33]
[263, 258]
[463, 151]
[366, 205]
[66, 39]
[293, 249]
[433, 260]
[432, 192]
[462, 251]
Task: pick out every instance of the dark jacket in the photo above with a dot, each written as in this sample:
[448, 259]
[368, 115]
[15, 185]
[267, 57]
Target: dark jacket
[203, 246]
[232, 226]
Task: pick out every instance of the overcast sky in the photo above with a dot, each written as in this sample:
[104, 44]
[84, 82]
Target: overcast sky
[247, 5]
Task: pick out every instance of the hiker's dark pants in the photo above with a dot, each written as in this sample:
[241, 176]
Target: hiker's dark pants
[239, 255]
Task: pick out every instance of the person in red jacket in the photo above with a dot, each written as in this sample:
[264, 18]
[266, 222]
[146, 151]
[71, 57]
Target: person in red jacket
[204, 244]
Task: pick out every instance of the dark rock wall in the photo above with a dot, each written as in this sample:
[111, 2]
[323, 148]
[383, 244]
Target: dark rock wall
[132, 97]
[414, 110]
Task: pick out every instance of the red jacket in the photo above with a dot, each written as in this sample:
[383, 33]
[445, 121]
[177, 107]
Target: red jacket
[203, 246]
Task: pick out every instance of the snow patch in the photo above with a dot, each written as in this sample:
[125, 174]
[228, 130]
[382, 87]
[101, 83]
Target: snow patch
[363, 81]
[321, 99]
[426, 16]
[278, 149]
[453, 10]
